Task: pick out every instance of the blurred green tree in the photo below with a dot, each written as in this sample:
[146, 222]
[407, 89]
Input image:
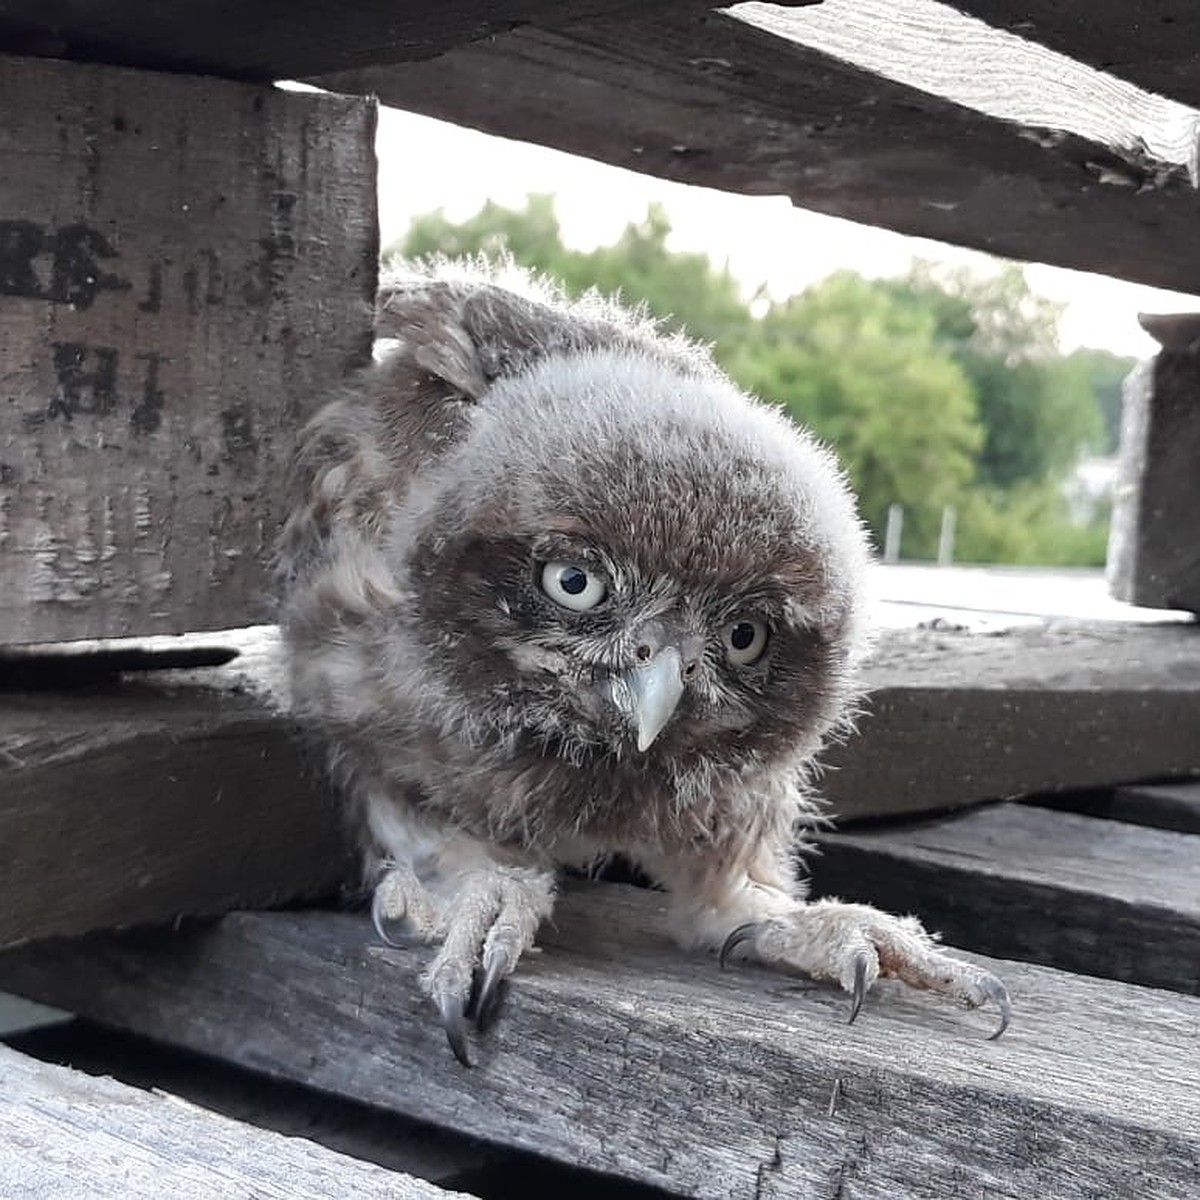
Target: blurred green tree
[939, 388]
[1038, 409]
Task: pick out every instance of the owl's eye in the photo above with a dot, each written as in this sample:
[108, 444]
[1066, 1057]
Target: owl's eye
[744, 641]
[572, 586]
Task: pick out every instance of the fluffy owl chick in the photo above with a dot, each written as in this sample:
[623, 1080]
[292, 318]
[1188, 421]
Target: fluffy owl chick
[556, 589]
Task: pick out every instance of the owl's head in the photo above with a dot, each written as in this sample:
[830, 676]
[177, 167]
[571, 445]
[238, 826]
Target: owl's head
[622, 556]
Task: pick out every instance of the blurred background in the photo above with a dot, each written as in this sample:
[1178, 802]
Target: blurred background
[974, 402]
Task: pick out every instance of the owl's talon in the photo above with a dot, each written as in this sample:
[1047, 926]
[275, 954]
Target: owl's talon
[496, 968]
[454, 1022]
[743, 933]
[862, 964]
[995, 991]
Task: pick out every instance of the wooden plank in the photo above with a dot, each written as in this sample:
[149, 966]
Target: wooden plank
[1154, 551]
[174, 305]
[953, 716]
[151, 778]
[274, 39]
[1081, 893]
[1153, 44]
[606, 1035]
[703, 98]
[67, 1134]
[139, 800]
[357, 1130]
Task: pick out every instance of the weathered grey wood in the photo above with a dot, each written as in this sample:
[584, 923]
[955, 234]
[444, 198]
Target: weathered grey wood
[1081, 893]
[77, 1137]
[152, 795]
[175, 303]
[277, 39]
[703, 98]
[1153, 43]
[141, 800]
[1154, 543]
[340, 1124]
[934, 47]
[616, 1052]
[954, 716]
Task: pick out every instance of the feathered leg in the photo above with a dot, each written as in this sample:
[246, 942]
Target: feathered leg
[848, 944]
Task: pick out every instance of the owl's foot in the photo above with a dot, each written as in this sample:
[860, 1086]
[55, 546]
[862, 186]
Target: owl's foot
[491, 918]
[854, 944]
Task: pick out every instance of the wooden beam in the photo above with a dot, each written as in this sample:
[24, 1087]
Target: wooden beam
[703, 98]
[69, 1134]
[953, 716]
[132, 799]
[1081, 893]
[1154, 45]
[357, 1130]
[1154, 550]
[616, 1052]
[174, 306]
[277, 39]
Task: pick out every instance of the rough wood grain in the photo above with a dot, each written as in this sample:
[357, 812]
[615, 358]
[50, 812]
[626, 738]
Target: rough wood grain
[705, 99]
[618, 1053]
[937, 49]
[1080, 893]
[73, 1136]
[278, 39]
[1155, 43]
[139, 800]
[357, 1130]
[174, 305]
[1154, 552]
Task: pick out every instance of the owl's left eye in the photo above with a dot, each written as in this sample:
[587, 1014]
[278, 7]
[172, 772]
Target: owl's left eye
[744, 641]
[573, 586]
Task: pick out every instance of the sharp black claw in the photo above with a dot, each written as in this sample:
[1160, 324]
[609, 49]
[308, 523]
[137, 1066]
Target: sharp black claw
[378, 921]
[491, 987]
[997, 993]
[743, 933]
[454, 1022]
[860, 988]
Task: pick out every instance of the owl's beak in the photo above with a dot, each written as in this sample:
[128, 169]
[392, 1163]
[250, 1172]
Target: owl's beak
[649, 694]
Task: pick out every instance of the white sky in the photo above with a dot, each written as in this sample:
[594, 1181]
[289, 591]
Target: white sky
[426, 164]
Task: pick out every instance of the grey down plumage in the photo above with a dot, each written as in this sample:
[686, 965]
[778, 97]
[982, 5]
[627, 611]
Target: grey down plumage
[554, 589]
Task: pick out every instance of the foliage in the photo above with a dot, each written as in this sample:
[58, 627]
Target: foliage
[1037, 408]
[941, 387]
[862, 370]
[1105, 373]
[684, 289]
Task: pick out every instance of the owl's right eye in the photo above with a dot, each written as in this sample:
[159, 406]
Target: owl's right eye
[573, 586]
